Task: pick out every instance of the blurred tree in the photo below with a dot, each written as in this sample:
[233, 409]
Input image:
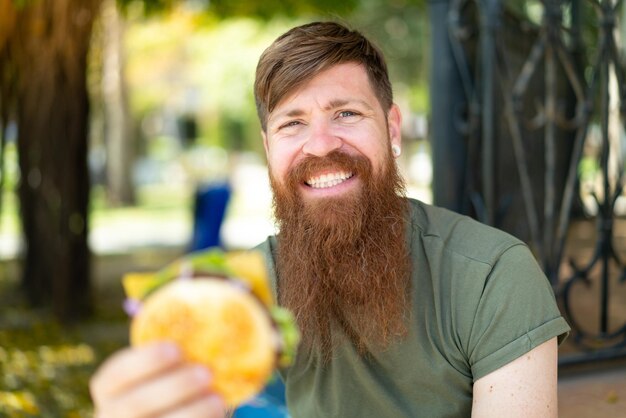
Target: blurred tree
[43, 47]
[118, 123]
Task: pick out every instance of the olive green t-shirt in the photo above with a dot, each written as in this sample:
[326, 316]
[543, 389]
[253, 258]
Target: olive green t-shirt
[479, 301]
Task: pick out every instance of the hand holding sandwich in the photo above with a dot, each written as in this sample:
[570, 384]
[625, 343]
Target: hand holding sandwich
[154, 380]
[206, 335]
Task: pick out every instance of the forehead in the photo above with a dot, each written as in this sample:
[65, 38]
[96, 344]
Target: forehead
[341, 82]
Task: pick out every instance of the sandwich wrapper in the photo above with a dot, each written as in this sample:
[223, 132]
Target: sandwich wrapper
[246, 269]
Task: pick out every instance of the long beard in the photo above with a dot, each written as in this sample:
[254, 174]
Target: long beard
[343, 262]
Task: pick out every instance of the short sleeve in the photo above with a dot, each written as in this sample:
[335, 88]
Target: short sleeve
[516, 312]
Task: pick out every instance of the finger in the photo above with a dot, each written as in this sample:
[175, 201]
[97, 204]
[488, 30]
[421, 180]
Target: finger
[161, 394]
[205, 407]
[130, 366]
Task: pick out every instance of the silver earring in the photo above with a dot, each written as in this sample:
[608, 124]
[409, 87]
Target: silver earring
[395, 150]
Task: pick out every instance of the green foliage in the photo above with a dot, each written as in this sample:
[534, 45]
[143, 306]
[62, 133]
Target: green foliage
[266, 9]
[402, 29]
[22, 3]
[178, 66]
[588, 168]
[190, 63]
[582, 22]
[270, 8]
[10, 169]
[147, 7]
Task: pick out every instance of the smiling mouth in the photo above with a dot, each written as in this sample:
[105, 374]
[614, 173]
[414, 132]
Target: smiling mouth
[329, 180]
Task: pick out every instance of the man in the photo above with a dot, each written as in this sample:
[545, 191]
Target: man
[406, 310]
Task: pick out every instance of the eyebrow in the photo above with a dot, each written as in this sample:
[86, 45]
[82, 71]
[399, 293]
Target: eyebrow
[333, 104]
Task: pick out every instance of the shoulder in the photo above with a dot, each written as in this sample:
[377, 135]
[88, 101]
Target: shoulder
[459, 237]
[463, 264]
[490, 298]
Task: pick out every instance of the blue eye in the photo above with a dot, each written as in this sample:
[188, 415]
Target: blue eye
[290, 124]
[347, 113]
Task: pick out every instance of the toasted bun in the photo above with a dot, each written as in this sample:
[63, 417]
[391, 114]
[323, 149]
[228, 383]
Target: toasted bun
[216, 324]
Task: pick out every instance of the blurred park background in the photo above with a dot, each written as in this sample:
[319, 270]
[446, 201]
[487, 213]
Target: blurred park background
[119, 117]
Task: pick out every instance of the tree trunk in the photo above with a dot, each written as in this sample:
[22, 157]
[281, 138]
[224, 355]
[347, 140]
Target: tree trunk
[120, 147]
[49, 50]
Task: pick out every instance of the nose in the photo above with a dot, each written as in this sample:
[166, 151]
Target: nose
[321, 141]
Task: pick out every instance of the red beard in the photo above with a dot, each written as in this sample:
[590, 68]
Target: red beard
[343, 262]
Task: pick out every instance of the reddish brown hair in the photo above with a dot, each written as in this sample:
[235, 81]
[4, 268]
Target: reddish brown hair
[304, 51]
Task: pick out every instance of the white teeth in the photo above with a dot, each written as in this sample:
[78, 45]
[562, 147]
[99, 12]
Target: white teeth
[328, 180]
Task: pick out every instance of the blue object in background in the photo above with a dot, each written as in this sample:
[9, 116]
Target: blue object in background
[210, 202]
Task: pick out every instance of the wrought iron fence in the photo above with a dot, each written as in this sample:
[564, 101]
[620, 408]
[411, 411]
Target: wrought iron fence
[539, 101]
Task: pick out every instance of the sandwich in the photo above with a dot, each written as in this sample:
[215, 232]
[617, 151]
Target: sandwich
[218, 308]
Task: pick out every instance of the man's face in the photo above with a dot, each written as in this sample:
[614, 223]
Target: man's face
[335, 111]
[342, 257]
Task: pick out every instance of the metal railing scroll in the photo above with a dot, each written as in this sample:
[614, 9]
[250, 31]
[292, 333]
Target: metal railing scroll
[499, 88]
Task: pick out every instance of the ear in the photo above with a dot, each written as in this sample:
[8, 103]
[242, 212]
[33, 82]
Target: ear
[394, 124]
